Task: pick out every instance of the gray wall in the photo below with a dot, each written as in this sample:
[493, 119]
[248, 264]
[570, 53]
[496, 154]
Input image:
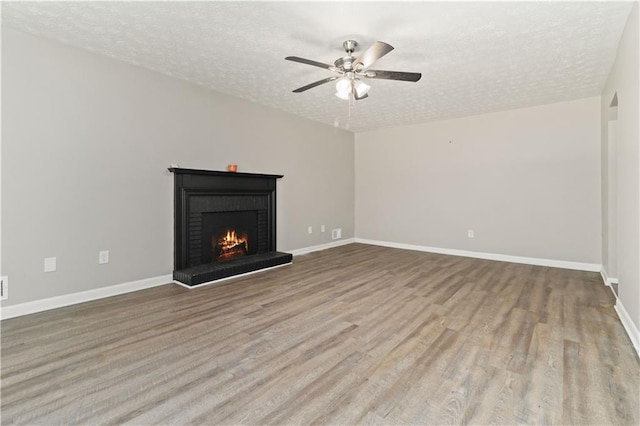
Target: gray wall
[86, 144]
[609, 190]
[526, 181]
[623, 81]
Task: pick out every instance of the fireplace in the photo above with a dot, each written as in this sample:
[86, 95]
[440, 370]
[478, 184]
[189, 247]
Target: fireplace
[225, 224]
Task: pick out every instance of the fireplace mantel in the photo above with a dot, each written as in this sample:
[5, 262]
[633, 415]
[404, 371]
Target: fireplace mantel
[178, 170]
[199, 192]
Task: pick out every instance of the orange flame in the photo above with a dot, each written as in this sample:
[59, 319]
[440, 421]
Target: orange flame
[232, 239]
[231, 244]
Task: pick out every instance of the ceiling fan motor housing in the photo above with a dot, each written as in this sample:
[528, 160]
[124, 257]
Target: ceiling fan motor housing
[344, 63]
[350, 46]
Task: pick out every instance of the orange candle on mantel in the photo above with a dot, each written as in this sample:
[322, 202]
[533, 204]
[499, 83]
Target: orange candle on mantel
[232, 168]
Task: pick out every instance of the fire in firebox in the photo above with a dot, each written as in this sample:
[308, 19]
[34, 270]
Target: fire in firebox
[229, 245]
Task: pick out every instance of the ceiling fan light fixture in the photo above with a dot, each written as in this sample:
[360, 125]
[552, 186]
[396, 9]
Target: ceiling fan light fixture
[343, 96]
[361, 87]
[343, 88]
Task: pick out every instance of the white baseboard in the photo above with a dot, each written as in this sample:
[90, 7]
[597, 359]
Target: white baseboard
[591, 267]
[628, 325]
[20, 309]
[606, 278]
[332, 244]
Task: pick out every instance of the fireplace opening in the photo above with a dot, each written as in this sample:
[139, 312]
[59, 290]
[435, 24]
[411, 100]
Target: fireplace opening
[228, 235]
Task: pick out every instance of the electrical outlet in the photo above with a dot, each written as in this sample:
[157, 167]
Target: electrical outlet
[322, 229]
[470, 233]
[4, 287]
[103, 257]
[336, 233]
[310, 229]
[50, 264]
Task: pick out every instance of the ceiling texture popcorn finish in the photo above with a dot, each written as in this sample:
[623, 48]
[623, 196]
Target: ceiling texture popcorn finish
[474, 57]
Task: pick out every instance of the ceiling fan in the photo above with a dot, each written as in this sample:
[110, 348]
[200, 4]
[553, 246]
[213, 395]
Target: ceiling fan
[352, 70]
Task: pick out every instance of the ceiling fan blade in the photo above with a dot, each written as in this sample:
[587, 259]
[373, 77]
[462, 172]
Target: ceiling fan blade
[309, 62]
[393, 75]
[314, 84]
[372, 54]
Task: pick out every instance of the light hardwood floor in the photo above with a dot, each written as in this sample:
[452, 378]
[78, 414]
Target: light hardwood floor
[352, 335]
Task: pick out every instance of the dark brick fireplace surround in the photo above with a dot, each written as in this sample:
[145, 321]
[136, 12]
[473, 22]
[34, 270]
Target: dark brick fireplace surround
[204, 197]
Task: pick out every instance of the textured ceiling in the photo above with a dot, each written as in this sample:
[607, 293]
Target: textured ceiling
[475, 57]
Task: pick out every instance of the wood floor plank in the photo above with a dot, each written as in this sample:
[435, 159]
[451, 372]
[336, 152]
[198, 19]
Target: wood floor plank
[542, 389]
[357, 334]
